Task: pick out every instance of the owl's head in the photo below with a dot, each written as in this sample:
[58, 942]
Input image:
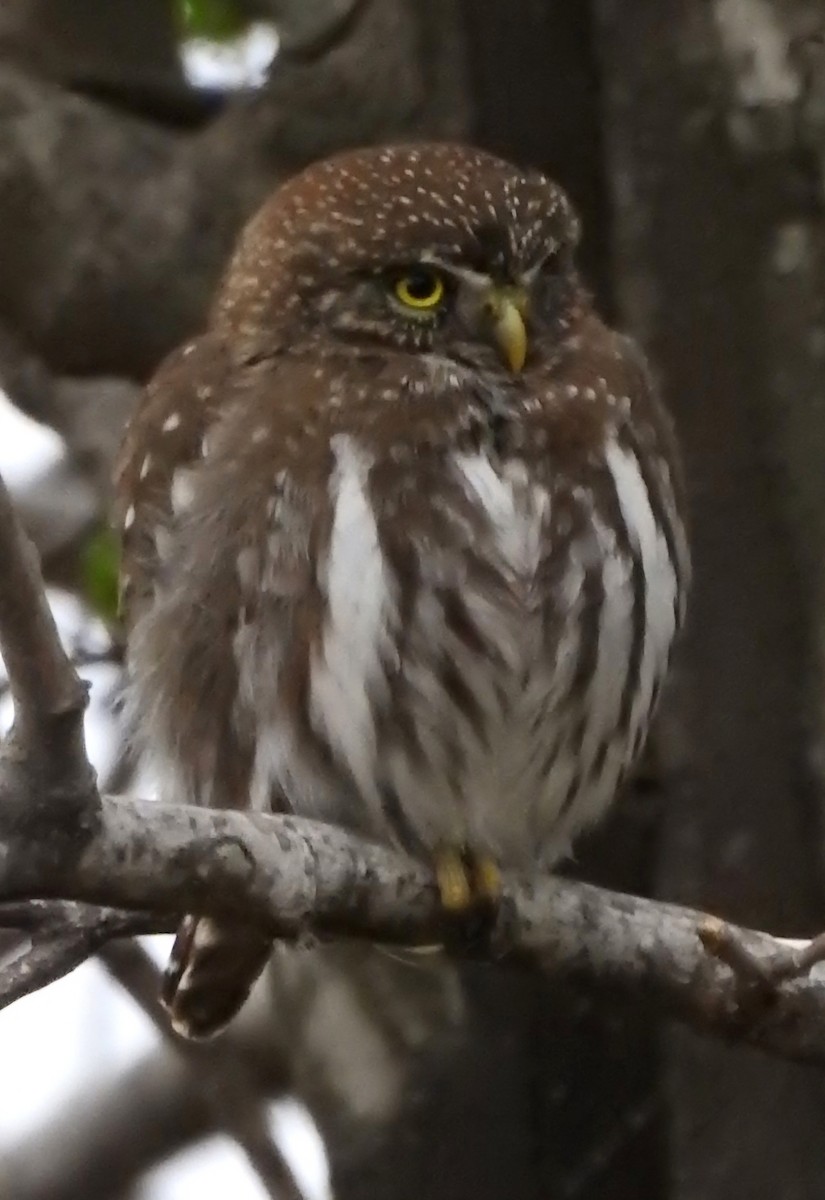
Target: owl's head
[429, 248]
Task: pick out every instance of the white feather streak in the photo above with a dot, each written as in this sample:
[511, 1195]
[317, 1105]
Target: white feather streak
[359, 607]
[659, 572]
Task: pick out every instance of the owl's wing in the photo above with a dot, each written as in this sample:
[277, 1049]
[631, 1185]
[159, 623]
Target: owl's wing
[165, 433]
[217, 573]
[216, 580]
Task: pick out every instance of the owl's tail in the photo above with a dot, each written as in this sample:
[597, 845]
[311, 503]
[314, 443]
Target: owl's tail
[212, 969]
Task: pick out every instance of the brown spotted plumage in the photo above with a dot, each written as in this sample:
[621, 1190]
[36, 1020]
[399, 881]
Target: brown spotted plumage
[402, 533]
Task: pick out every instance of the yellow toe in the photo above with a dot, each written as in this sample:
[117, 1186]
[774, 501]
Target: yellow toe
[487, 878]
[453, 882]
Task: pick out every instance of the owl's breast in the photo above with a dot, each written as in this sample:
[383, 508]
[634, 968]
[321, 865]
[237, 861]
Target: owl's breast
[492, 648]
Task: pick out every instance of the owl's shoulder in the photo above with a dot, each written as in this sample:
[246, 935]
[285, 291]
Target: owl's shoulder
[172, 412]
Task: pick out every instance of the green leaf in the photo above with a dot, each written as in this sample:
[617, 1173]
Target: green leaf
[217, 20]
[99, 562]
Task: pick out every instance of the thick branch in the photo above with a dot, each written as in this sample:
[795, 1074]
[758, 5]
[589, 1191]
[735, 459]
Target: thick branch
[297, 877]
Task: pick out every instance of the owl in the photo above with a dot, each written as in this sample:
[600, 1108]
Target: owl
[403, 535]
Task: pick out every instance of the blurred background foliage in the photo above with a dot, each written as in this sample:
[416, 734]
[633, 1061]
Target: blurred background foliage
[99, 559]
[216, 20]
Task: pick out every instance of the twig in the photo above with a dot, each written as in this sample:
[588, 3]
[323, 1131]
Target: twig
[59, 936]
[81, 658]
[800, 961]
[789, 959]
[44, 756]
[43, 683]
[63, 935]
[725, 943]
[228, 1086]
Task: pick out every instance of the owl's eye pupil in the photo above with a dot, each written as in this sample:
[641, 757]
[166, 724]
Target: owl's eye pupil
[420, 288]
[421, 284]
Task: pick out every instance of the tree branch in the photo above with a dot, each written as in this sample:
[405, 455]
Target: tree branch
[59, 937]
[297, 877]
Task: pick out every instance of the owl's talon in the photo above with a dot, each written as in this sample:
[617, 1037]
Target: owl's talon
[487, 883]
[453, 879]
[469, 886]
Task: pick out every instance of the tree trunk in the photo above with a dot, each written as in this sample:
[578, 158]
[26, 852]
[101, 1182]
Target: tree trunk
[697, 225]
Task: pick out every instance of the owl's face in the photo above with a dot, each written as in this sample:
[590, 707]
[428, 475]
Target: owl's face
[422, 249]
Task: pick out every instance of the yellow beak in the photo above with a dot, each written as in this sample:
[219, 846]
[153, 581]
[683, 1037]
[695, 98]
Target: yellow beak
[508, 306]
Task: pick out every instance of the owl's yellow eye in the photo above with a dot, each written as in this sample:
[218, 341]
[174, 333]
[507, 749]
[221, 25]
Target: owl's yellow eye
[420, 288]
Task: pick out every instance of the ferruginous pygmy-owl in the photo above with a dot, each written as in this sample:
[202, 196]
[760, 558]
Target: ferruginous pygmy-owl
[403, 545]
